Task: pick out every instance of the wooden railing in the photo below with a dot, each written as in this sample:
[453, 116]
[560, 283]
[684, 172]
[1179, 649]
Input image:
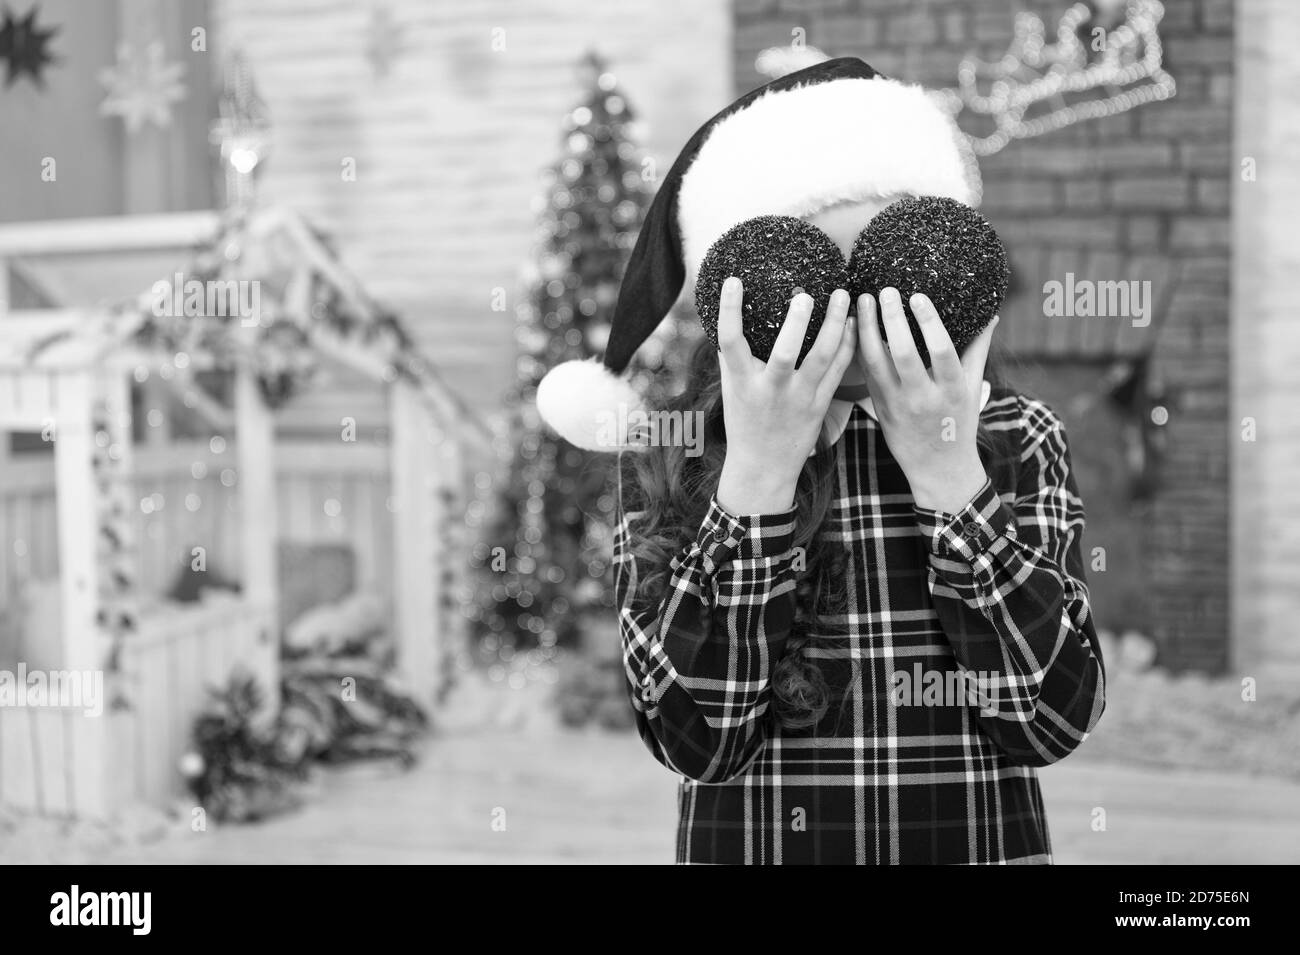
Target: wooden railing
[110, 234]
[70, 762]
[326, 492]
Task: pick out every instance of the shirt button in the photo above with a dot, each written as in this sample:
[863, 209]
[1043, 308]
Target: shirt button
[971, 530]
[719, 533]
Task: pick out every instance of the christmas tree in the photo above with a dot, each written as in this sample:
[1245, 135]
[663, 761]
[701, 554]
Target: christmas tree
[543, 523]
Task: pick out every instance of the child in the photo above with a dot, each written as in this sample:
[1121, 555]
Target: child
[859, 620]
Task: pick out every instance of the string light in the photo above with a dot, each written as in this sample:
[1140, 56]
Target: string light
[1033, 71]
[116, 550]
[1130, 69]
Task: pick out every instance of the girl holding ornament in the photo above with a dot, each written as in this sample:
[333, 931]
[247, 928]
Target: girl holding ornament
[859, 621]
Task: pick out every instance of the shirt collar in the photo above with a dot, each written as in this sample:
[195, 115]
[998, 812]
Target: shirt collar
[837, 417]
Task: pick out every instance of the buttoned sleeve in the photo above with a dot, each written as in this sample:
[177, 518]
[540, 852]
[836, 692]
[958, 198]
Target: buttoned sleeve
[1008, 582]
[699, 659]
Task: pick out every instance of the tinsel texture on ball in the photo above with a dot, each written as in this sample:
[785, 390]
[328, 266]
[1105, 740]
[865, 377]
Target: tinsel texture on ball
[774, 257]
[942, 249]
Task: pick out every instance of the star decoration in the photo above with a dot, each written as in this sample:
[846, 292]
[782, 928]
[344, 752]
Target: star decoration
[23, 47]
[142, 89]
[383, 40]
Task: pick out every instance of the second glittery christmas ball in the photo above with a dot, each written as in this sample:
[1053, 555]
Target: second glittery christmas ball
[942, 249]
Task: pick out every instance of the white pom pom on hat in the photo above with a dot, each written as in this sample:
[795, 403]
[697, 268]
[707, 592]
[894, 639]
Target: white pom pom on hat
[589, 404]
[754, 158]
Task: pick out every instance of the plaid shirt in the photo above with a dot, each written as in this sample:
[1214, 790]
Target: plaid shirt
[990, 603]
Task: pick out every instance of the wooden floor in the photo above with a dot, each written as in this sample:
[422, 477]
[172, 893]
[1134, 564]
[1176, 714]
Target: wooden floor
[585, 797]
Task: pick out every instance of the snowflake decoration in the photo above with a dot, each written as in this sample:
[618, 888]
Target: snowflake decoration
[142, 89]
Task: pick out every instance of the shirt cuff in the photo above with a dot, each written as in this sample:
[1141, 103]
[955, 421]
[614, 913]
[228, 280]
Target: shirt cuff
[970, 532]
[724, 535]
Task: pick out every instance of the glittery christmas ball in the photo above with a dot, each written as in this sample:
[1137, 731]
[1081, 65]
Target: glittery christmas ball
[942, 249]
[774, 257]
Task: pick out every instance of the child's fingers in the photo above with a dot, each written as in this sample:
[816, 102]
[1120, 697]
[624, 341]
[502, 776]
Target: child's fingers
[731, 335]
[976, 355]
[875, 360]
[944, 363]
[898, 334]
[829, 337]
[789, 341]
[843, 357]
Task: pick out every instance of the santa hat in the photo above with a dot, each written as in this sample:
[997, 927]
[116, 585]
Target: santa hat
[835, 131]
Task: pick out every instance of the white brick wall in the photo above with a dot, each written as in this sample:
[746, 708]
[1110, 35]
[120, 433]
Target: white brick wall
[449, 144]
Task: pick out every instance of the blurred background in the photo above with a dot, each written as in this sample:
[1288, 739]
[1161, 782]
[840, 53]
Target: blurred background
[278, 279]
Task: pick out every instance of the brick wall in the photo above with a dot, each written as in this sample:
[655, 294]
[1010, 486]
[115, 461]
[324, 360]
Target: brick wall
[1141, 195]
[449, 144]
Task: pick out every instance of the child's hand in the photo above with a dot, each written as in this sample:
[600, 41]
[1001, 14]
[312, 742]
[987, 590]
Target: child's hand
[929, 418]
[773, 411]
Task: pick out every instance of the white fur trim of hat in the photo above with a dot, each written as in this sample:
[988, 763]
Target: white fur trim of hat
[796, 152]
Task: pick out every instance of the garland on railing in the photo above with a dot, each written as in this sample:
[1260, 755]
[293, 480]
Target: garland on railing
[308, 305]
[277, 350]
[114, 544]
